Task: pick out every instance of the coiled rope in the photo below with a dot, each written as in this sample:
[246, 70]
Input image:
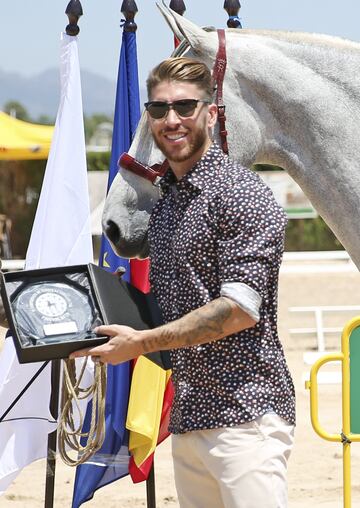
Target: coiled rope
[68, 434]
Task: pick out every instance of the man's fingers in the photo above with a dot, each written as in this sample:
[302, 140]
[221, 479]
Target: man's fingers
[80, 353]
[92, 351]
[109, 330]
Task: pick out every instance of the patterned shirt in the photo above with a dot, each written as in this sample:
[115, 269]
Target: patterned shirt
[220, 227]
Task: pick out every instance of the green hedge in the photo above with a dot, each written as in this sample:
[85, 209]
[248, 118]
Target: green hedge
[98, 161]
[310, 235]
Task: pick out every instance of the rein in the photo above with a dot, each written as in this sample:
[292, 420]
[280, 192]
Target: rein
[218, 76]
[156, 172]
[152, 173]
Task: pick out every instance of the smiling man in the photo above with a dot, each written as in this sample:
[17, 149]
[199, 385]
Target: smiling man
[216, 242]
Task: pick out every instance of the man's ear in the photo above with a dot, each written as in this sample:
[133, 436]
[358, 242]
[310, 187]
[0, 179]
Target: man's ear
[212, 115]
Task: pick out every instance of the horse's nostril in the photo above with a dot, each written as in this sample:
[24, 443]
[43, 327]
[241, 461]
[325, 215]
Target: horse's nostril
[112, 231]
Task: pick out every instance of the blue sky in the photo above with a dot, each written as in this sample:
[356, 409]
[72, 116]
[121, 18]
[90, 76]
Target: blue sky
[29, 29]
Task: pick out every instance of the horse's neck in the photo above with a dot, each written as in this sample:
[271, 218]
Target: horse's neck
[299, 96]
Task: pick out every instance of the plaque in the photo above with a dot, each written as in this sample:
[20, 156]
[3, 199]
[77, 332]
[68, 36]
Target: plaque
[53, 312]
[53, 309]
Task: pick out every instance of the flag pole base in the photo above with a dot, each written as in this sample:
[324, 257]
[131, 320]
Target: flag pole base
[150, 489]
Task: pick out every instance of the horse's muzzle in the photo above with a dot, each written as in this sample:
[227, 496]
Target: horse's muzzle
[124, 248]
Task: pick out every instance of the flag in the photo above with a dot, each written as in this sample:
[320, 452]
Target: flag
[148, 416]
[60, 236]
[123, 411]
[111, 462]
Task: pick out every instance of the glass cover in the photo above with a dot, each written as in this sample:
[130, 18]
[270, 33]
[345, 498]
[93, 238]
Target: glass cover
[54, 309]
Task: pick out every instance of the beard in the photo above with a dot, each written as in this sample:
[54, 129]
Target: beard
[200, 137]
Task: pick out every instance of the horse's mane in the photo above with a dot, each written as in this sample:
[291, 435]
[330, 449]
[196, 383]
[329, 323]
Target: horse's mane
[301, 37]
[330, 41]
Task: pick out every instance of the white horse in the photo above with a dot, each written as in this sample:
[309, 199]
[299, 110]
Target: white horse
[293, 100]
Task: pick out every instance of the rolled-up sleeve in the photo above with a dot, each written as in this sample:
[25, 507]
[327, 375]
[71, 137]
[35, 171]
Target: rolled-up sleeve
[250, 245]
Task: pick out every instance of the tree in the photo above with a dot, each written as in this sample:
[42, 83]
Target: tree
[17, 110]
[45, 120]
[91, 122]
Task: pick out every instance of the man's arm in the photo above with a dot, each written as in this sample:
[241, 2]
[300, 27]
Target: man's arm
[215, 320]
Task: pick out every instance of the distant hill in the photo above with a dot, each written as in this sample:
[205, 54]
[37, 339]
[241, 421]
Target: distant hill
[40, 94]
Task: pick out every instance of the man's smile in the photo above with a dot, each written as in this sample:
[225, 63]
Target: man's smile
[175, 136]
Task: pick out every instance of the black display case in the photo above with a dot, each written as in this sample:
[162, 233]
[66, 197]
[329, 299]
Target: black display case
[51, 312]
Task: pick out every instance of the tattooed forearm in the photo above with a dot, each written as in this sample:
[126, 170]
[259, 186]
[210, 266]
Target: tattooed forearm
[216, 320]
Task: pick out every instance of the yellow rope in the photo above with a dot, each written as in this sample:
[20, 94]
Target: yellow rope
[70, 435]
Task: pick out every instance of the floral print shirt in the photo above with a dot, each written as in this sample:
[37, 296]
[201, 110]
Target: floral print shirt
[220, 227]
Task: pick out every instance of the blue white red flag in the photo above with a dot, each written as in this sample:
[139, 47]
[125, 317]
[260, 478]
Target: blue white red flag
[111, 462]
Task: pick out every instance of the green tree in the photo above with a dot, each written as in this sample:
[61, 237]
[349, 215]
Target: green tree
[91, 122]
[45, 120]
[15, 108]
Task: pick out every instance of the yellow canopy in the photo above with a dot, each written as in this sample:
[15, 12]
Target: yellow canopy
[22, 140]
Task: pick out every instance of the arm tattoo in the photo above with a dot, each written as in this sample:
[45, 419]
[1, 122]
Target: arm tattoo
[199, 326]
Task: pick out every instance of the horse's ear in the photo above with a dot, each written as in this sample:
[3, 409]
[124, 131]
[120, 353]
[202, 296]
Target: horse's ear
[182, 27]
[167, 13]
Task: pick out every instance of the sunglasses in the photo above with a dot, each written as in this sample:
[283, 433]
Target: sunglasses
[183, 107]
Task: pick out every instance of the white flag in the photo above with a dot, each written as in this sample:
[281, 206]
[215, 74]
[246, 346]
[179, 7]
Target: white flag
[60, 236]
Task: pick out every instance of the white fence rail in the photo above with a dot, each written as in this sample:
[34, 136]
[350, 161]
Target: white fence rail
[319, 314]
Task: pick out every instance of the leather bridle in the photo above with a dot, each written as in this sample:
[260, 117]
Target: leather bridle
[218, 77]
[156, 172]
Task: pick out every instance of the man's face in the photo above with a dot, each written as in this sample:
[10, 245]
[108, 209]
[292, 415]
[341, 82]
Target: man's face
[182, 139]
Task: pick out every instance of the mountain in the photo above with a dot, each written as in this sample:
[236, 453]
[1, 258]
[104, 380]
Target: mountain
[39, 94]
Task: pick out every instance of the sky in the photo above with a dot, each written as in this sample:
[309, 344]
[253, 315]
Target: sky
[30, 29]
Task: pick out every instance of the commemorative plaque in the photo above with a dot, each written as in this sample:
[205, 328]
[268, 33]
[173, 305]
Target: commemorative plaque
[52, 312]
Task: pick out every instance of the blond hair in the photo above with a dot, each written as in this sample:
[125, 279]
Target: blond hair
[182, 69]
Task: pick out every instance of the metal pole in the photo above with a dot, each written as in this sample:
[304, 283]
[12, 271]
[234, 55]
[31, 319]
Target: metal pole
[346, 418]
[129, 10]
[150, 488]
[233, 7]
[52, 439]
[73, 11]
[179, 7]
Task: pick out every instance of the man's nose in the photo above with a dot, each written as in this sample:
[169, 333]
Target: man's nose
[172, 118]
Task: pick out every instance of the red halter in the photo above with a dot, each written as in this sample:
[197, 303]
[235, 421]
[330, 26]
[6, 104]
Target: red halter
[155, 172]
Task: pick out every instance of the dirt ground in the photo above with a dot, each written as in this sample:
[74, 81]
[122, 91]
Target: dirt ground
[315, 470]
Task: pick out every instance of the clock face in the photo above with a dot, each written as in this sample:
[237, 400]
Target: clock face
[49, 309]
[51, 304]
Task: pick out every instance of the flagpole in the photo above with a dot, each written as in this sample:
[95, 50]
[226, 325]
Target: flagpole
[179, 7]
[129, 10]
[52, 438]
[233, 7]
[73, 12]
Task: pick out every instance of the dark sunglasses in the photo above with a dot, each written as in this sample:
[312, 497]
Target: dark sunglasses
[182, 107]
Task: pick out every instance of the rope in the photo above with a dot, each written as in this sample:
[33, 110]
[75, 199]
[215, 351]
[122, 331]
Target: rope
[69, 434]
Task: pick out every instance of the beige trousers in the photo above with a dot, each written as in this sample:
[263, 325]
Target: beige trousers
[234, 467]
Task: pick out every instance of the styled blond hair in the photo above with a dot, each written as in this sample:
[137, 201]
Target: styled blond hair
[184, 70]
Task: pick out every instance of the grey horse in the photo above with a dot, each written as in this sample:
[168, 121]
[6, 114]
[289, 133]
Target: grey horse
[293, 100]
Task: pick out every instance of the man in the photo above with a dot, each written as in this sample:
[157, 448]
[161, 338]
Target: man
[216, 241]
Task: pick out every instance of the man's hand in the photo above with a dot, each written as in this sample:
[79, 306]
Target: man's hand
[124, 345]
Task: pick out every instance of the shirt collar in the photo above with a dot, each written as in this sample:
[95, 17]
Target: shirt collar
[201, 173]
